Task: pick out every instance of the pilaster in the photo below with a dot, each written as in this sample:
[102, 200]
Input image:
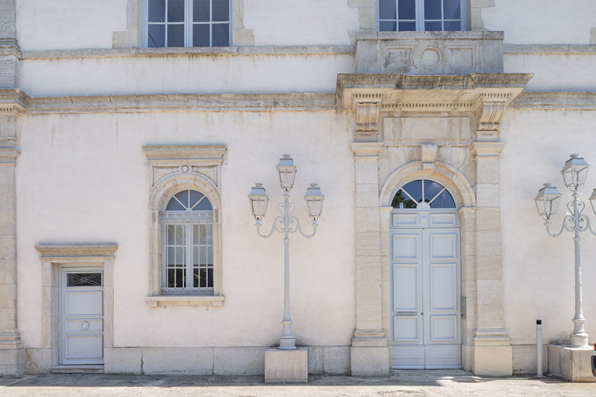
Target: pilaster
[11, 347]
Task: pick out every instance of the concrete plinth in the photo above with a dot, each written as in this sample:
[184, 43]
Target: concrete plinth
[12, 362]
[571, 363]
[284, 366]
[370, 361]
[493, 360]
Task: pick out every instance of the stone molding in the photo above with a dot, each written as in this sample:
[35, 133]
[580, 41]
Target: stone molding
[367, 150]
[367, 119]
[55, 256]
[76, 252]
[488, 149]
[9, 155]
[172, 169]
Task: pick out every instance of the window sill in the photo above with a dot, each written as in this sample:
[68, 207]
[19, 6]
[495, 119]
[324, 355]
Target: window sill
[185, 300]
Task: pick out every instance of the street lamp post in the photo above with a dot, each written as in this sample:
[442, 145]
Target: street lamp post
[286, 223]
[574, 174]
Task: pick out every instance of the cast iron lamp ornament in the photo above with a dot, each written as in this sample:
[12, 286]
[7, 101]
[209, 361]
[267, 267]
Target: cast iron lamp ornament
[286, 223]
[574, 173]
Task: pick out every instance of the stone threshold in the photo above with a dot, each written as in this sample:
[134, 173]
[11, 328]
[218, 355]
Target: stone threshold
[77, 369]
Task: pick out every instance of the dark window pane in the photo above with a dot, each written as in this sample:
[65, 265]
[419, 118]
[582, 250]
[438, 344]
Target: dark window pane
[432, 9]
[414, 189]
[407, 26]
[84, 279]
[194, 197]
[174, 205]
[452, 26]
[221, 35]
[204, 205]
[407, 9]
[157, 10]
[203, 278]
[183, 195]
[200, 11]
[433, 26]
[175, 11]
[157, 36]
[451, 9]
[180, 278]
[195, 278]
[176, 39]
[401, 201]
[210, 278]
[221, 10]
[387, 26]
[200, 36]
[443, 201]
[387, 9]
[171, 278]
[431, 189]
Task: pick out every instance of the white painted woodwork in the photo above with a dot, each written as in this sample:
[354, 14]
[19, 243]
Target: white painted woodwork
[425, 271]
[81, 321]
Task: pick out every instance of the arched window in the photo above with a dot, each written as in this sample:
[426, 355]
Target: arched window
[187, 253]
[423, 194]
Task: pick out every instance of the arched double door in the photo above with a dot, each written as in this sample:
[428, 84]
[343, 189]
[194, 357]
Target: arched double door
[425, 277]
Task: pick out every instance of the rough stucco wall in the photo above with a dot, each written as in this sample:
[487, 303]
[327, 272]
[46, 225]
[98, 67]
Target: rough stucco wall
[173, 75]
[538, 271]
[98, 163]
[542, 21]
[69, 24]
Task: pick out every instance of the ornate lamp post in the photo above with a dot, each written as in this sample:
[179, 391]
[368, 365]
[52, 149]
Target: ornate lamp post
[574, 173]
[286, 223]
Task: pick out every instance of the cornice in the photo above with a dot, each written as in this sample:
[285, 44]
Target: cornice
[53, 252]
[199, 154]
[579, 101]
[9, 155]
[13, 101]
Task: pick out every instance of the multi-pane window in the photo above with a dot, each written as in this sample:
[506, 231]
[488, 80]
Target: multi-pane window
[188, 243]
[188, 23]
[421, 15]
[423, 194]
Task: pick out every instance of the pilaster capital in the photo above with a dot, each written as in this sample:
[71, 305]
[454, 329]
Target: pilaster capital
[491, 110]
[8, 155]
[367, 120]
[486, 150]
[366, 150]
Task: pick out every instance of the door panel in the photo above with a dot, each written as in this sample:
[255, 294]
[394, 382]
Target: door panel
[426, 323]
[81, 317]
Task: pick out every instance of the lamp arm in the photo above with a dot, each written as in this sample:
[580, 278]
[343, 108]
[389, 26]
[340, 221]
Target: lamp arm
[587, 224]
[298, 227]
[273, 227]
[568, 218]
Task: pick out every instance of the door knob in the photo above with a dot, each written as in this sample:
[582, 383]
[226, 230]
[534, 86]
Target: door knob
[85, 325]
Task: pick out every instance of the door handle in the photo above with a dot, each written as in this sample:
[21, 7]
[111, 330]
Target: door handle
[85, 325]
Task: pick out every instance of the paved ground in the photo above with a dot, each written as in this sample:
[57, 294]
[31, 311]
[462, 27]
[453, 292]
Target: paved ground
[401, 384]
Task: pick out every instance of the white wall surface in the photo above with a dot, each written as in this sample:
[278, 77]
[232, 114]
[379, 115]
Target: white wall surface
[84, 179]
[189, 75]
[68, 24]
[542, 21]
[555, 72]
[304, 22]
[538, 271]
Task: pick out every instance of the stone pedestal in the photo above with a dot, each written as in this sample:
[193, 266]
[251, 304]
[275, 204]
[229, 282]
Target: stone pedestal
[571, 363]
[285, 366]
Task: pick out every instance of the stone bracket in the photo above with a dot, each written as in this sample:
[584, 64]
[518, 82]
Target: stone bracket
[367, 119]
[428, 155]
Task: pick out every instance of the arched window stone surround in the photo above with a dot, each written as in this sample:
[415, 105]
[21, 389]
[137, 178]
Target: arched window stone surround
[176, 168]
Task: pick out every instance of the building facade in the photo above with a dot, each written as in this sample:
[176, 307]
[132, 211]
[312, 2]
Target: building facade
[131, 133]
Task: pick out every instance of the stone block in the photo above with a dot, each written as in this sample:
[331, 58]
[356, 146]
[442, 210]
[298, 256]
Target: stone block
[123, 360]
[367, 219]
[368, 17]
[366, 170]
[571, 363]
[368, 243]
[369, 361]
[239, 360]
[316, 360]
[178, 361]
[243, 37]
[12, 362]
[493, 361]
[336, 360]
[38, 361]
[286, 365]
[524, 359]
[367, 195]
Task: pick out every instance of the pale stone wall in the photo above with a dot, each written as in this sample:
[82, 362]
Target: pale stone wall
[100, 167]
[538, 270]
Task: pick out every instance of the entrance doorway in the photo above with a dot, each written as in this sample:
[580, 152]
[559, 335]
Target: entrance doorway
[425, 275]
[81, 316]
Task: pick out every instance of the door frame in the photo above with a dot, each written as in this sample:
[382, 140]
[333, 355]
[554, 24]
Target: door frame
[422, 220]
[63, 269]
[55, 256]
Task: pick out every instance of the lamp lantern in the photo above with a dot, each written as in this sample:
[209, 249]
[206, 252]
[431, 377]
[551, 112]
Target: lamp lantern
[314, 201]
[575, 172]
[547, 200]
[258, 201]
[287, 172]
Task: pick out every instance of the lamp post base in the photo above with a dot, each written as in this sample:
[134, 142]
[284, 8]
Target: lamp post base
[579, 340]
[287, 342]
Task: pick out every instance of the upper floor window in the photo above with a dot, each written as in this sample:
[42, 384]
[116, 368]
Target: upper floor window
[421, 15]
[188, 23]
[188, 243]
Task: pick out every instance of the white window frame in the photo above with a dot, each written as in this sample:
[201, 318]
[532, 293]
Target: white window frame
[420, 21]
[187, 219]
[188, 24]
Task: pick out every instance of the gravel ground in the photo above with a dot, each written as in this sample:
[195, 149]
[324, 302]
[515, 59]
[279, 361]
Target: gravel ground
[401, 384]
